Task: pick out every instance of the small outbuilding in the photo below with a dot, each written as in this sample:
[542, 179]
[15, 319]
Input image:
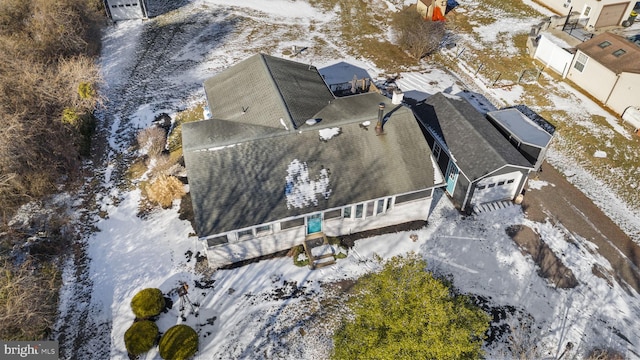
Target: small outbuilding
[478, 163]
[527, 131]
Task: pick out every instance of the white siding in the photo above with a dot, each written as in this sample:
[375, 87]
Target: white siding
[595, 79]
[625, 93]
[496, 188]
[125, 9]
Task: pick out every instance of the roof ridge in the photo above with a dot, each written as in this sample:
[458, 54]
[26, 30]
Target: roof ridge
[263, 57]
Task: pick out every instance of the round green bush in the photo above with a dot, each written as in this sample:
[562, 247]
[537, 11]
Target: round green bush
[147, 303]
[140, 337]
[178, 343]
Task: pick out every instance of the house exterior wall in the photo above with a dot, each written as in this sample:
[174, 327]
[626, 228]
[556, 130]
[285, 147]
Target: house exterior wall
[125, 9]
[460, 190]
[534, 154]
[562, 7]
[594, 78]
[424, 10]
[260, 244]
[503, 174]
[625, 93]
[553, 56]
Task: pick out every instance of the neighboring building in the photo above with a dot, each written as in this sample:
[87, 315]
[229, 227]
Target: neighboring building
[283, 159]
[125, 9]
[479, 164]
[527, 131]
[608, 67]
[344, 79]
[594, 14]
[432, 9]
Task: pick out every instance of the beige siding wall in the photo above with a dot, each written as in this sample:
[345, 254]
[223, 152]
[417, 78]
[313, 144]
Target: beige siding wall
[595, 79]
[423, 9]
[625, 93]
[580, 6]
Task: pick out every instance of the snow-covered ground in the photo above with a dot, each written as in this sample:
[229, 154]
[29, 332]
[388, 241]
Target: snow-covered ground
[270, 309]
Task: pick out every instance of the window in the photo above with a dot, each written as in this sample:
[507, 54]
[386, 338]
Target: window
[346, 212]
[359, 211]
[245, 234]
[587, 10]
[510, 181]
[389, 201]
[436, 151]
[480, 187]
[370, 206]
[380, 207]
[500, 183]
[332, 214]
[218, 240]
[291, 223]
[619, 53]
[604, 44]
[491, 185]
[581, 62]
[263, 229]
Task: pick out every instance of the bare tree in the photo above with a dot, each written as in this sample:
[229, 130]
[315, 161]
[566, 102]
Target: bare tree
[416, 36]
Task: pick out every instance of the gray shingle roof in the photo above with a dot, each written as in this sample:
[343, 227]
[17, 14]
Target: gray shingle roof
[263, 89]
[242, 185]
[476, 145]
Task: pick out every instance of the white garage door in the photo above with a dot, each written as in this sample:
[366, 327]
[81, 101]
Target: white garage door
[611, 15]
[496, 188]
[125, 9]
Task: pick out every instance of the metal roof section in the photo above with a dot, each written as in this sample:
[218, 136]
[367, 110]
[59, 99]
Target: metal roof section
[478, 147]
[521, 127]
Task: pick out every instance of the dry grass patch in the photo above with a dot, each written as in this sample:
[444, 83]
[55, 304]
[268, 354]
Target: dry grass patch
[164, 190]
[28, 300]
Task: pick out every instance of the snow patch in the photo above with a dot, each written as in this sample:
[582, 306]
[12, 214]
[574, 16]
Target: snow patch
[600, 154]
[537, 184]
[300, 190]
[326, 134]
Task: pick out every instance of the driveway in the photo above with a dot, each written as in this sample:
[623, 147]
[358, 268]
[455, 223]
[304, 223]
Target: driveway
[560, 202]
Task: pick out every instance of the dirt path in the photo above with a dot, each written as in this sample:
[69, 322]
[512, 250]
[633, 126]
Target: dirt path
[561, 202]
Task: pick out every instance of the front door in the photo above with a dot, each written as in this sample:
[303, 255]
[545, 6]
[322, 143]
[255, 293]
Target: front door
[452, 177]
[314, 223]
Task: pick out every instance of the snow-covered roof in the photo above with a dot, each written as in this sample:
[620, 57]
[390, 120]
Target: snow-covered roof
[477, 146]
[521, 126]
[274, 174]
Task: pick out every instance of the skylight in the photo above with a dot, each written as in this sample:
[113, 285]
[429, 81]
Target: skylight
[619, 53]
[604, 44]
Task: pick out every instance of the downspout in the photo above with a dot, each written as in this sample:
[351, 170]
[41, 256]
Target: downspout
[466, 196]
[144, 9]
[612, 89]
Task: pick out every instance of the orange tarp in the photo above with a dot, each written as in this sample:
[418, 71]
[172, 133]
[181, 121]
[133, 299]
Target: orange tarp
[437, 15]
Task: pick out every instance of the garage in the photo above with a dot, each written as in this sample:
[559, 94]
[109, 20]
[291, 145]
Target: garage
[611, 15]
[479, 164]
[497, 188]
[125, 9]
